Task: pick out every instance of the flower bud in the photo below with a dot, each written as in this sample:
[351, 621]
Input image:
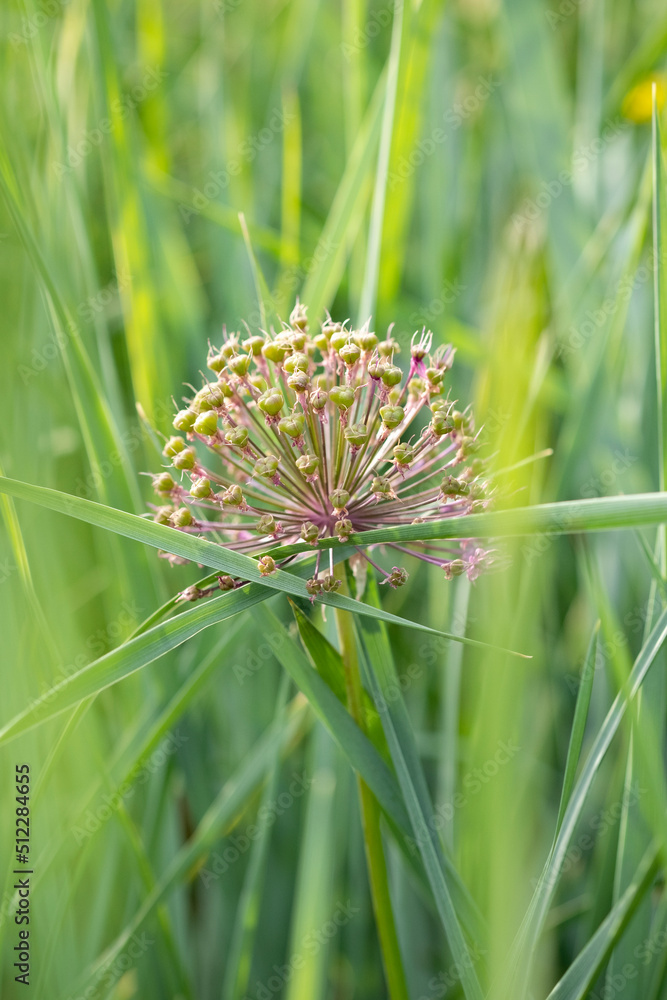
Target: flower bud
[271, 402]
[233, 496]
[343, 528]
[184, 419]
[299, 381]
[163, 515]
[356, 434]
[307, 465]
[350, 354]
[310, 532]
[206, 423]
[392, 375]
[173, 446]
[239, 364]
[254, 345]
[266, 525]
[339, 499]
[163, 483]
[201, 489]
[391, 416]
[266, 466]
[185, 459]
[181, 518]
[342, 396]
[366, 340]
[237, 436]
[267, 565]
[296, 362]
[318, 398]
[292, 425]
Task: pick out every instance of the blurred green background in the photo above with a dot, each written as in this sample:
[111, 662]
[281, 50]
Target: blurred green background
[481, 168]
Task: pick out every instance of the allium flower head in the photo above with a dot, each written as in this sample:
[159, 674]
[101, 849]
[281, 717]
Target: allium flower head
[297, 436]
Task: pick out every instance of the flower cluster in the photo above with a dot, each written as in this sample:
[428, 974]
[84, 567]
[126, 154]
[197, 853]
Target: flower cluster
[300, 436]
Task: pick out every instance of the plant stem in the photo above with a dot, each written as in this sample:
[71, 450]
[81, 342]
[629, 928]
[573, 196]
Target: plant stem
[370, 817]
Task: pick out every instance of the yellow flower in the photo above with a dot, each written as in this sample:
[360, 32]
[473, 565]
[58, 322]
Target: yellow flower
[638, 103]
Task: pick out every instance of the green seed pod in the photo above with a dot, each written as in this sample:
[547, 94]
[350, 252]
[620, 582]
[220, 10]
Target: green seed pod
[321, 342]
[398, 577]
[184, 420]
[350, 354]
[240, 364]
[299, 317]
[230, 347]
[216, 362]
[173, 446]
[453, 487]
[181, 518]
[274, 350]
[456, 567]
[339, 338]
[163, 483]
[163, 515]
[258, 381]
[299, 381]
[254, 345]
[318, 399]
[298, 340]
[307, 465]
[342, 396]
[293, 425]
[206, 423]
[233, 496]
[310, 532]
[356, 434]
[376, 368]
[389, 347]
[403, 454]
[201, 489]
[330, 584]
[391, 416]
[296, 362]
[267, 565]
[339, 499]
[392, 375]
[211, 396]
[416, 387]
[185, 459]
[458, 419]
[440, 406]
[435, 375]
[381, 486]
[271, 402]
[266, 525]
[366, 340]
[441, 424]
[266, 466]
[237, 436]
[467, 446]
[314, 586]
[343, 528]
[226, 582]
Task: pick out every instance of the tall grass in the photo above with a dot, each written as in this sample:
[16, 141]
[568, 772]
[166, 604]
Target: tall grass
[493, 171]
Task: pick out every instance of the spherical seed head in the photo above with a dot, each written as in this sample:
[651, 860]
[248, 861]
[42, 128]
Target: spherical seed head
[267, 565]
[173, 446]
[206, 423]
[310, 532]
[339, 499]
[201, 489]
[184, 460]
[184, 419]
[181, 518]
[163, 483]
[345, 432]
